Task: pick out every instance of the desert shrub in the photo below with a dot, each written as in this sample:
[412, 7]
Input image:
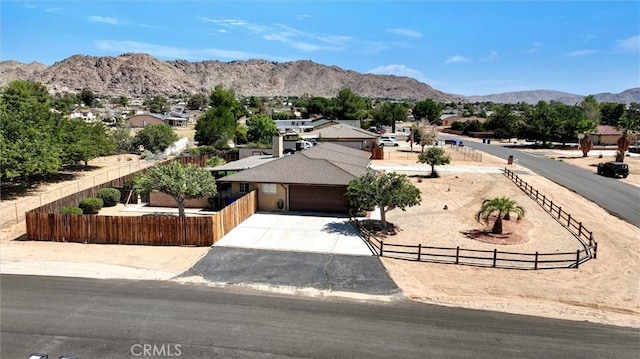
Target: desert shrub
[110, 196]
[91, 205]
[71, 210]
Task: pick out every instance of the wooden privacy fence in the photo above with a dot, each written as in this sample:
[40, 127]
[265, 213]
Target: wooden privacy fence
[565, 219]
[482, 258]
[154, 230]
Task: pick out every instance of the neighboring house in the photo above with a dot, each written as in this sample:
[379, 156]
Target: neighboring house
[447, 122]
[607, 135]
[88, 115]
[297, 125]
[314, 180]
[345, 135]
[322, 122]
[140, 121]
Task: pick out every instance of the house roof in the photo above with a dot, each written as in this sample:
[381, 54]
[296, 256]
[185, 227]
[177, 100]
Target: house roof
[608, 130]
[343, 131]
[324, 164]
[243, 164]
[143, 119]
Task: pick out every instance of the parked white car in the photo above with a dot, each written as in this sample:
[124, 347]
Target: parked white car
[386, 140]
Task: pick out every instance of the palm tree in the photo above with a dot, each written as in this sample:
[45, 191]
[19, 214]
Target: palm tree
[503, 206]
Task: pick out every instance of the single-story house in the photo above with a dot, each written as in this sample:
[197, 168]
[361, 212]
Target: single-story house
[607, 135]
[322, 122]
[140, 121]
[345, 135]
[313, 180]
[447, 122]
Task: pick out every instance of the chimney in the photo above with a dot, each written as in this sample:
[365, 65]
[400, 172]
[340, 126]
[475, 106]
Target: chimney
[278, 146]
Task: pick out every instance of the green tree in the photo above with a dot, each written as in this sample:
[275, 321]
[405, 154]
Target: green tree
[421, 136]
[542, 123]
[503, 122]
[122, 138]
[349, 106]
[123, 101]
[388, 113]
[198, 101]
[87, 97]
[387, 191]
[219, 123]
[155, 138]
[157, 104]
[428, 110]
[503, 206]
[215, 161]
[83, 141]
[260, 128]
[611, 113]
[434, 156]
[182, 182]
[629, 124]
[65, 102]
[29, 132]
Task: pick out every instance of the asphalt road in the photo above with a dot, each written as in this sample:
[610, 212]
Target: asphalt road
[618, 198]
[345, 273]
[92, 318]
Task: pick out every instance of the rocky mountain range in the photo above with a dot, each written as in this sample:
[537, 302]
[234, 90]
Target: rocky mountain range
[137, 75]
[141, 74]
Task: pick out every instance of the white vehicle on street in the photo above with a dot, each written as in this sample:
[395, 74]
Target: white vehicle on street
[387, 140]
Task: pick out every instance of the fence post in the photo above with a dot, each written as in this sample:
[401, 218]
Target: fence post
[580, 229]
[457, 254]
[495, 256]
[568, 219]
[559, 212]
[535, 263]
[595, 251]
[381, 248]
[577, 258]
[551, 206]
[590, 238]
[419, 251]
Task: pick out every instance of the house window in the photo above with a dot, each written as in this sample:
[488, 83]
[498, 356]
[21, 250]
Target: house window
[269, 188]
[244, 188]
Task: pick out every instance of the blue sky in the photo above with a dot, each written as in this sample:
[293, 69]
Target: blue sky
[460, 47]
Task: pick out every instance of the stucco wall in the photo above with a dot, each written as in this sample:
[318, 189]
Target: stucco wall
[269, 201]
[159, 199]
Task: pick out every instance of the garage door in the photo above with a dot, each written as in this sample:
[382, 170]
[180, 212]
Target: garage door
[318, 198]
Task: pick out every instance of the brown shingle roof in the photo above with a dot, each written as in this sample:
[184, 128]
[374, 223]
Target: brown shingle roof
[344, 131]
[324, 164]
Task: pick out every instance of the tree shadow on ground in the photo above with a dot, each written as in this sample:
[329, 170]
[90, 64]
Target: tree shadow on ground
[26, 187]
[344, 228]
[375, 227]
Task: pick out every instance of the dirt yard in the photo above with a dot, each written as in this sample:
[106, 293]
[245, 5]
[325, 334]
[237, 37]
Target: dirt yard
[605, 290]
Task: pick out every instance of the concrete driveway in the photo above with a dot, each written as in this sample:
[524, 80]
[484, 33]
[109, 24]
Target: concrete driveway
[297, 232]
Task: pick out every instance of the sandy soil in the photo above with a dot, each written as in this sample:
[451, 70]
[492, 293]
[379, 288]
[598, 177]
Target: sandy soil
[604, 290]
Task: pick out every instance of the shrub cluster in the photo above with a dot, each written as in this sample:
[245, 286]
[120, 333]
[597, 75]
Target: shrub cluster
[110, 196]
[91, 205]
[71, 210]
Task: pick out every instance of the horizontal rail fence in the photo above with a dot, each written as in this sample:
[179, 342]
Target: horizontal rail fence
[475, 257]
[574, 226]
[138, 230]
[467, 153]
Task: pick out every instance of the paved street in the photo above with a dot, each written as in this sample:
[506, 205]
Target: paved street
[92, 318]
[617, 197]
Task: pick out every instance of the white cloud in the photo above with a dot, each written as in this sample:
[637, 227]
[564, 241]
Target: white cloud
[456, 59]
[169, 52]
[52, 9]
[105, 20]
[580, 53]
[398, 70]
[303, 17]
[535, 47]
[405, 32]
[493, 56]
[629, 44]
[287, 35]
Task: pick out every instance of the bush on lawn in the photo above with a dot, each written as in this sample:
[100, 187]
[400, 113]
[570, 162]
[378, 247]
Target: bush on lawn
[110, 196]
[91, 205]
[71, 210]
